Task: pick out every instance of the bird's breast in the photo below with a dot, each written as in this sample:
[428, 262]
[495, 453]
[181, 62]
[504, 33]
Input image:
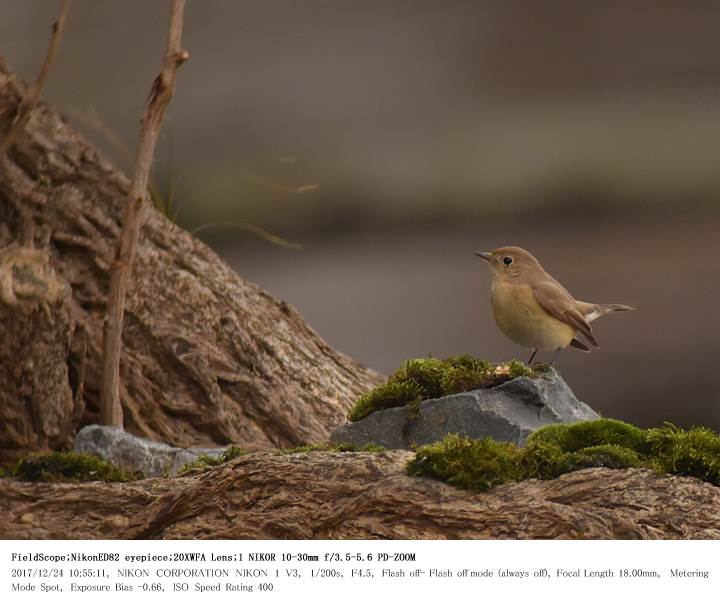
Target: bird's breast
[524, 321]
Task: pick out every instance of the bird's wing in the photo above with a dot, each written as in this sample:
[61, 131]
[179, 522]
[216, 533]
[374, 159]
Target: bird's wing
[561, 305]
[591, 311]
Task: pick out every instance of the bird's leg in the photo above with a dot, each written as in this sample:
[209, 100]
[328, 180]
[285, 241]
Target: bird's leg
[552, 363]
[532, 356]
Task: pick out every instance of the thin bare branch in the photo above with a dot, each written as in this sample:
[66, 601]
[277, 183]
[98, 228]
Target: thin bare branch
[259, 231]
[90, 118]
[135, 213]
[270, 184]
[33, 93]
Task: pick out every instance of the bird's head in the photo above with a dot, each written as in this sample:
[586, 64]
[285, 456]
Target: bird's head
[512, 263]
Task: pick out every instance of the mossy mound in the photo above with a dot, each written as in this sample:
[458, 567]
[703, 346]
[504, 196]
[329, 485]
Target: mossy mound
[695, 452]
[578, 436]
[69, 467]
[332, 447]
[420, 379]
[561, 448]
[205, 462]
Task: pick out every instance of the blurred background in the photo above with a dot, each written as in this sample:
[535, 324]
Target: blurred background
[392, 138]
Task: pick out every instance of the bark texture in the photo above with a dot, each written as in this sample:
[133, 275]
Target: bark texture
[37, 410]
[208, 358]
[327, 496]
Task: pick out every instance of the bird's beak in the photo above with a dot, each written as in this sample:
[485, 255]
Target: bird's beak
[484, 255]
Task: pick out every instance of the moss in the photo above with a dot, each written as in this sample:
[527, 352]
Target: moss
[388, 395]
[544, 460]
[420, 379]
[580, 435]
[332, 447]
[69, 467]
[424, 374]
[609, 456]
[561, 448]
[204, 462]
[518, 368]
[466, 373]
[467, 463]
[695, 452]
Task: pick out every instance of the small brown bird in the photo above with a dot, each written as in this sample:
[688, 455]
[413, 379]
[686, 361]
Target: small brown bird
[533, 309]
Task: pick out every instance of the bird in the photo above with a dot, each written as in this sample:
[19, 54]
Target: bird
[534, 310]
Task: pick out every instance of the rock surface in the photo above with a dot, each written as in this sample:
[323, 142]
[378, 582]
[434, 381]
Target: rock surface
[508, 412]
[360, 495]
[151, 458]
[37, 409]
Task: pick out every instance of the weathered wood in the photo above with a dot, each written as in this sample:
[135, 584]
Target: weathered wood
[208, 358]
[37, 410]
[330, 496]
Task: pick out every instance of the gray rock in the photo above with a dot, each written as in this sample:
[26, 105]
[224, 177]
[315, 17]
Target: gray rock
[151, 458]
[508, 412]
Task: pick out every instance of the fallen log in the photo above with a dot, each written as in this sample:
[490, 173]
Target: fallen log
[361, 495]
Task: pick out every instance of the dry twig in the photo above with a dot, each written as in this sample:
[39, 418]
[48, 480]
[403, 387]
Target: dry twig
[255, 229]
[33, 93]
[136, 209]
[24, 110]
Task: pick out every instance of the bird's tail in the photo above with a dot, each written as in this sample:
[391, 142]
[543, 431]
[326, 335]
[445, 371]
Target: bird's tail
[592, 311]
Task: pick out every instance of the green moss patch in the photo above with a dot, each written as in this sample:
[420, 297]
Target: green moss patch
[695, 452]
[332, 447]
[420, 379]
[480, 464]
[581, 435]
[467, 463]
[69, 467]
[205, 462]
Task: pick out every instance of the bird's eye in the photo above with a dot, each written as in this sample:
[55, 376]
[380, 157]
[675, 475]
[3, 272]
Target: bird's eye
[508, 260]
